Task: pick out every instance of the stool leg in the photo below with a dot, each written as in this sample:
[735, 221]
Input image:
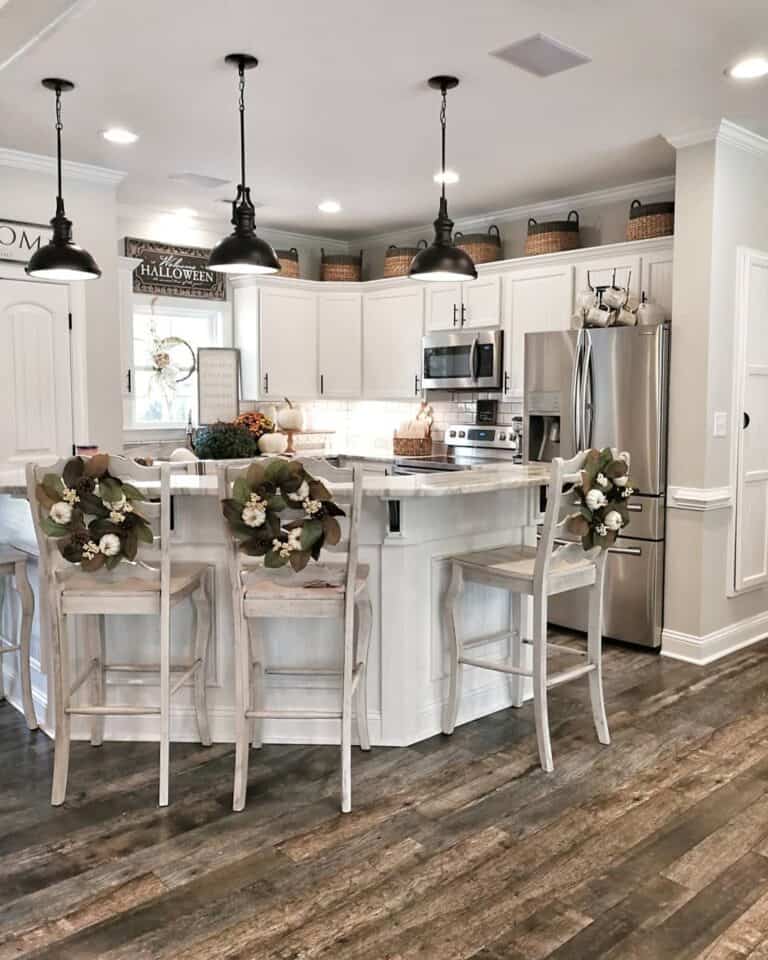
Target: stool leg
[3, 595]
[27, 615]
[256, 669]
[594, 655]
[242, 666]
[541, 713]
[451, 603]
[516, 647]
[346, 710]
[165, 700]
[97, 651]
[62, 718]
[363, 639]
[202, 603]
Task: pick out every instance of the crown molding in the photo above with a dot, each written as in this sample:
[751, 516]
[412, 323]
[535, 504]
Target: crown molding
[725, 132]
[561, 205]
[37, 163]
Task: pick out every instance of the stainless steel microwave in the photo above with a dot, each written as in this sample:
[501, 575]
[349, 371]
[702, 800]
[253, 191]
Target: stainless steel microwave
[463, 360]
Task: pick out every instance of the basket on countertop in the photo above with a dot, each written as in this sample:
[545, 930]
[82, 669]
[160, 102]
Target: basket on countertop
[289, 263]
[482, 247]
[397, 260]
[553, 236]
[340, 266]
[411, 446]
[648, 220]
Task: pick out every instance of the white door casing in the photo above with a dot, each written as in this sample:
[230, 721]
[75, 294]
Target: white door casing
[750, 413]
[339, 344]
[35, 373]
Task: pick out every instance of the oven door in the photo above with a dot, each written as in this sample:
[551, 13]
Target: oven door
[463, 360]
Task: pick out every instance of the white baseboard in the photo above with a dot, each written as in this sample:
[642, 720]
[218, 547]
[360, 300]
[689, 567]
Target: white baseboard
[713, 646]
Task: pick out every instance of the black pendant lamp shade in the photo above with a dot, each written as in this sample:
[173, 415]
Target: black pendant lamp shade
[61, 258]
[441, 260]
[242, 251]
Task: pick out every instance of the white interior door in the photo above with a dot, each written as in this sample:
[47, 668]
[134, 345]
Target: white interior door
[35, 379]
[288, 325]
[339, 344]
[751, 413]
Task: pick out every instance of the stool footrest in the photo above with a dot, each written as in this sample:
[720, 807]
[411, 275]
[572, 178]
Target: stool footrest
[5, 649]
[114, 710]
[301, 671]
[186, 675]
[567, 675]
[501, 666]
[293, 714]
[489, 638]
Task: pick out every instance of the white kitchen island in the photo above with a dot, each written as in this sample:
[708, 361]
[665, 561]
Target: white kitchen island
[410, 526]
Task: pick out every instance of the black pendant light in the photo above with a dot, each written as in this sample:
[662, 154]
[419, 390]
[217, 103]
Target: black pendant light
[442, 260]
[61, 258]
[242, 251]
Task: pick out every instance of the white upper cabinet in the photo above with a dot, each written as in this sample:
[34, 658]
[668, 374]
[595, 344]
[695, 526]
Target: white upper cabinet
[481, 302]
[534, 301]
[474, 303]
[393, 321]
[600, 272]
[657, 279]
[288, 326]
[339, 344]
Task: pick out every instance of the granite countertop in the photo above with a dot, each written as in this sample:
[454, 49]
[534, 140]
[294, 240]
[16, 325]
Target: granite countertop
[481, 479]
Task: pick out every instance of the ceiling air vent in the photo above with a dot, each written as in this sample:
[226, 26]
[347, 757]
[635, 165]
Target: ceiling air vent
[198, 180]
[541, 55]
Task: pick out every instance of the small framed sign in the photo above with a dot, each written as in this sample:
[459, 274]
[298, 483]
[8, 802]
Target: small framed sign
[218, 384]
[19, 240]
[169, 270]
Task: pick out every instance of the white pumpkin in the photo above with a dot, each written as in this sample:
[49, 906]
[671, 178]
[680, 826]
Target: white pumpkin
[290, 417]
[181, 454]
[273, 443]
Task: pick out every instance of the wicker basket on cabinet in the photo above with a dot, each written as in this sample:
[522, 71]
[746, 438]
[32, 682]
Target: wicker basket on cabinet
[553, 236]
[340, 266]
[397, 260]
[648, 220]
[289, 263]
[482, 247]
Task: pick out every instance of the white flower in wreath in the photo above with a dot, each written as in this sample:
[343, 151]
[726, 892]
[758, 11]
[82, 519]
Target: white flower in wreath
[601, 530]
[613, 520]
[294, 538]
[253, 515]
[627, 492]
[311, 507]
[602, 481]
[595, 499]
[109, 545]
[116, 516]
[301, 494]
[621, 481]
[70, 496]
[91, 550]
[61, 512]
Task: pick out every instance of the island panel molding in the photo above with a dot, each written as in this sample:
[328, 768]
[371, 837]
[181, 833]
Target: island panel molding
[171, 270]
[699, 498]
[20, 239]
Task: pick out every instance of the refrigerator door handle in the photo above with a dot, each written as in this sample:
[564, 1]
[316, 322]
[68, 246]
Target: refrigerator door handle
[576, 392]
[586, 393]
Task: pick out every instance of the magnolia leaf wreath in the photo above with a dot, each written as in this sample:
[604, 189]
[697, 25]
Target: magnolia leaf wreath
[92, 514]
[266, 492]
[602, 499]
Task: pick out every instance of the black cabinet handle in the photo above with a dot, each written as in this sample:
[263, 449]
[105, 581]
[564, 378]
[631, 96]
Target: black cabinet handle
[416, 384]
[129, 380]
[746, 419]
[506, 382]
[463, 314]
[455, 311]
[322, 383]
[266, 383]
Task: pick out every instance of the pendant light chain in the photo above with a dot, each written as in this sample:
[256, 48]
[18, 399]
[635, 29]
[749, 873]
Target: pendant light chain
[59, 128]
[442, 125]
[241, 107]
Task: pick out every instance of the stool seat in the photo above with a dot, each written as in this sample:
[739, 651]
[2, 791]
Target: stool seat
[515, 566]
[142, 592]
[316, 588]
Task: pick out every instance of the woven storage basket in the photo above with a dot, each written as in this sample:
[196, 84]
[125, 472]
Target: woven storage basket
[289, 263]
[397, 260]
[647, 220]
[340, 266]
[554, 236]
[482, 247]
[412, 446]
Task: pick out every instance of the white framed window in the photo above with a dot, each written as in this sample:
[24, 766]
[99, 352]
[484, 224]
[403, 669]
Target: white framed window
[163, 340]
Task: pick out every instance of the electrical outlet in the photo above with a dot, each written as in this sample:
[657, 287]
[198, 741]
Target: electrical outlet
[720, 424]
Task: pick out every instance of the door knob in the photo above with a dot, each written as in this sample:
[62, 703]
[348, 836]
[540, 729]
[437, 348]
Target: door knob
[746, 419]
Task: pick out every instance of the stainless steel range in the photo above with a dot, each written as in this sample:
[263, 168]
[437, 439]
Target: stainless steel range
[467, 446]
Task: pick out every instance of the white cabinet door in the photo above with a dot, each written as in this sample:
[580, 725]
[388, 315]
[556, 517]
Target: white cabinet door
[601, 272]
[339, 344]
[288, 325]
[393, 321]
[443, 305]
[35, 383]
[534, 301]
[245, 319]
[657, 279]
[482, 306]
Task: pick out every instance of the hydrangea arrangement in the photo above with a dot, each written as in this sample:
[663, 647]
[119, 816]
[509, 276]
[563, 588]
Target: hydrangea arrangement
[92, 514]
[602, 499]
[280, 512]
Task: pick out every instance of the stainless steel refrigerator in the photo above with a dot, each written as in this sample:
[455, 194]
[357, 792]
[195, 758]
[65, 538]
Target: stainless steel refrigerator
[608, 388]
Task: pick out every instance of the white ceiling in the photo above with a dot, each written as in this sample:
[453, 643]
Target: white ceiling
[339, 107]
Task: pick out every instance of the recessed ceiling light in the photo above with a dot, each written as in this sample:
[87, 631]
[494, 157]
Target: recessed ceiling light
[450, 176]
[119, 135]
[749, 69]
[185, 212]
[329, 206]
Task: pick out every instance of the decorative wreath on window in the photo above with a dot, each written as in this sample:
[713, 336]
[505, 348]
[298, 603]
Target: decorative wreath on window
[601, 498]
[269, 494]
[92, 514]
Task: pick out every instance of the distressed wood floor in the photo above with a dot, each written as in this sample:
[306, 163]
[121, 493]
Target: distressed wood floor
[655, 848]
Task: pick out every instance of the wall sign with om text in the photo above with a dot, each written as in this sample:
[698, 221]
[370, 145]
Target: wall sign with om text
[19, 240]
[168, 270]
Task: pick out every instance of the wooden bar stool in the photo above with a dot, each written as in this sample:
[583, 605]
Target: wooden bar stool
[538, 573]
[13, 563]
[259, 593]
[150, 586]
